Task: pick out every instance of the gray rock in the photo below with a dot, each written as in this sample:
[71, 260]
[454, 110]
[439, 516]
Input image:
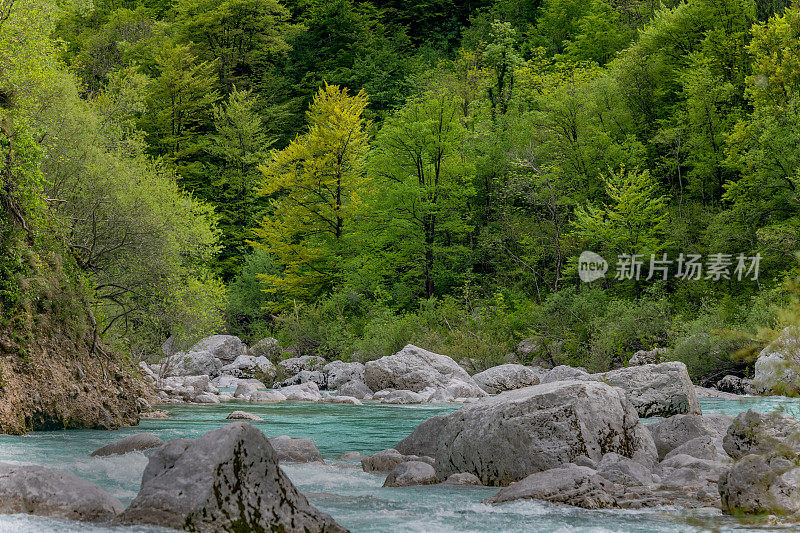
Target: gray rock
[131, 443]
[656, 390]
[648, 357]
[413, 369]
[244, 390]
[295, 450]
[345, 400]
[457, 388]
[736, 385]
[565, 373]
[424, 440]
[753, 432]
[410, 473]
[294, 365]
[338, 373]
[463, 478]
[268, 348]
[706, 447]
[356, 389]
[265, 396]
[398, 396]
[227, 480]
[46, 492]
[226, 381]
[307, 392]
[704, 392]
[244, 415]
[677, 430]
[623, 471]
[246, 366]
[387, 460]
[507, 437]
[684, 472]
[205, 397]
[224, 347]
[569, 484]
[776, 367]
[304, 376]
[758, 484]
[506, 377]
[195, 364]
[383, 461]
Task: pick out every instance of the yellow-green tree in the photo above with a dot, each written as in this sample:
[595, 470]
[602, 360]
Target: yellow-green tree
[315, 182]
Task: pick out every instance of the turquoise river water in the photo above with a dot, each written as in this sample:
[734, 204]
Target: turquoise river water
[354, 498]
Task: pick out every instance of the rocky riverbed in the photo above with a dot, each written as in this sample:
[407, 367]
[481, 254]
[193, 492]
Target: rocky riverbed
[633, 439]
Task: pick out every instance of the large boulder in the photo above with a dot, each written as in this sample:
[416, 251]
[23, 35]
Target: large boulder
[761, 484]
[268, 347]
[677, 430]
[338, 373]
[410, 473]
[569, 484]
[656, 390]
[753, 432]
[227, 480]
[776, 366]
[247, 366]
[506, 377]
[624, 471]
[294, 365]
[565, 373]
[224, 347]
[413, 369]
[685, 473]
[306, 392]
[131, 443]
[510, 436]
[735, 385]
[356, 389]
[424, 440]
[295, 450]
[46, 492]
[304, 376]
[195, 364]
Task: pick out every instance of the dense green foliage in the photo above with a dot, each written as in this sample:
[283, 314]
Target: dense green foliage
[362, 174]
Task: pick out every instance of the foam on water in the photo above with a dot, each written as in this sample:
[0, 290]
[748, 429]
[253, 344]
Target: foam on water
[354, 498]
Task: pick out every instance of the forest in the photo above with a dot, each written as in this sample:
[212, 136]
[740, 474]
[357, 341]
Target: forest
[350, 176]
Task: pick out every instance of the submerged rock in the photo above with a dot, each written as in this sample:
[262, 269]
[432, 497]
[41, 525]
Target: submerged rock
[413, 369]
[506, 377]
[227, 480]
[131, 443]
[510, 436]
[656, 390]
[46, 492]
[410, 473]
